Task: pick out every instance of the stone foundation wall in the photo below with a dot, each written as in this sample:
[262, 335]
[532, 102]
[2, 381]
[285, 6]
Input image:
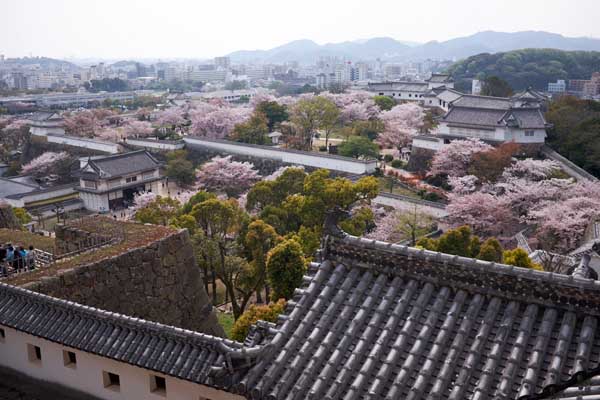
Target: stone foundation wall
[71, 239]
[159, 282]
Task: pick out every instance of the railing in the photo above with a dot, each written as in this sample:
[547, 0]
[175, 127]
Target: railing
[41, 259]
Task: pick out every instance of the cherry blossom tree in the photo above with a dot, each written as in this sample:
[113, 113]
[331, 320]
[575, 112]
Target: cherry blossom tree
[110, 134]
[454, 158]
[224, 175]
[217, 122]
[87, 122]
[135, 128]
[529, 168]
[463, 184]
[401, 123]
[143, 199]
[44, 163]
[171, 117]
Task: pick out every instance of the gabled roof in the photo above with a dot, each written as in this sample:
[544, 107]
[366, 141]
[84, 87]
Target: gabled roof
[118, 165]
[376, 320]
[45, 116]
[525, 118]
[530, 94]
[172, 351]
[10, 188]
[439, 78]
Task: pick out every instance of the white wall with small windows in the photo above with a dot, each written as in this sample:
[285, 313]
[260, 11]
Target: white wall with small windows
[97, 376]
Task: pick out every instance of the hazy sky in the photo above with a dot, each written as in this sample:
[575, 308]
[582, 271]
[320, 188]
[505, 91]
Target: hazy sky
[208, 28]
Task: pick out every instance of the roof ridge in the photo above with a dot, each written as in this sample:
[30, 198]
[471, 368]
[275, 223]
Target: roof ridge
[132, 322]
[464, 271]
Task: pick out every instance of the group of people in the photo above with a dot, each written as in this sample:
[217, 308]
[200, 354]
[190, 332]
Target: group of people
[16, 259]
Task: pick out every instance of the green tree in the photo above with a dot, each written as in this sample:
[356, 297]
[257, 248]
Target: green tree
[254, 313]
[260, 238]
[459, 241]
[359, 147]
[385, 103]
[276, 113]
[253, 131]
[519, 258]
[312, 114]
[358, 224]
[197, 198]
[285, 269]
[179, 168]
[158, 212]
[415, 224]
[491, 250]
[22, 215]
[496, 87]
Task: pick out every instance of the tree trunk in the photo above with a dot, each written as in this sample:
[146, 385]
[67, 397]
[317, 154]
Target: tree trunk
[267, 293]
[259, 295]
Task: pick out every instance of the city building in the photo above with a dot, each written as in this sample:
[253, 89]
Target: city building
[110, 182]
[560, 86]
[476, 87]
[222, 62]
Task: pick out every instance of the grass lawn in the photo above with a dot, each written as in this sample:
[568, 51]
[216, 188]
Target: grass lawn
[384, 187]
[25, 238]
[226, 321]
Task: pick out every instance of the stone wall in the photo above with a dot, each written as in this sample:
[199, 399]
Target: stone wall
[158, 282]
[70, 239]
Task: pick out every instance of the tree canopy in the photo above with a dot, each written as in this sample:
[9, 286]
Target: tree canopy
[527, 67]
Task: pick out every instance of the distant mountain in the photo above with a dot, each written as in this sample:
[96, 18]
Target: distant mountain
[307, 51]
[45, 62]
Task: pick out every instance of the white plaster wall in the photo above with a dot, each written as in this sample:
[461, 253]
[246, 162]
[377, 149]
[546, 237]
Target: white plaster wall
[87, 375]
[518, 135]
[333, 163]
[49, 195]
[111, 148]
[155, 144]
[94, 202]
[428, 144]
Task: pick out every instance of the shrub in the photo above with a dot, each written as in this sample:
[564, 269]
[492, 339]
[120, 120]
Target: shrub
[431, 196]
[268, 313]
[398, 163]
[388, 158]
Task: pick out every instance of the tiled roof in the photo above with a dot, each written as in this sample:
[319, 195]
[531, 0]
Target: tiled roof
[440, 78]
[121, 164]
[474, 116]
[526, 118]
[495, 103]
[172, 351]
[11, 188]
[376, 320]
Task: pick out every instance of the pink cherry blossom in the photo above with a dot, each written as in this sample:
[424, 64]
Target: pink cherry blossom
[43, 163]
[224, 175]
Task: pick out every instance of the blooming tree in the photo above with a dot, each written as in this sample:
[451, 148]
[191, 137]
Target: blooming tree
[217, 122]
[171, 117]
[110, 134]
[135, 128]
[454, 158]
[223, 174]
[87, 122]
[529, 168]
[44, 163]
[463, 184]
[143, 199]
[401, 123]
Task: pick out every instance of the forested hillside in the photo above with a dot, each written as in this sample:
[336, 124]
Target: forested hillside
[527, 67]
[576, 131]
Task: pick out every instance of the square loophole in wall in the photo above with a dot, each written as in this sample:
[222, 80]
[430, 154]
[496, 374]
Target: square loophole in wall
[69, 359]
[34, 353]
[2, 335]
[158, 385]
[111, 381]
